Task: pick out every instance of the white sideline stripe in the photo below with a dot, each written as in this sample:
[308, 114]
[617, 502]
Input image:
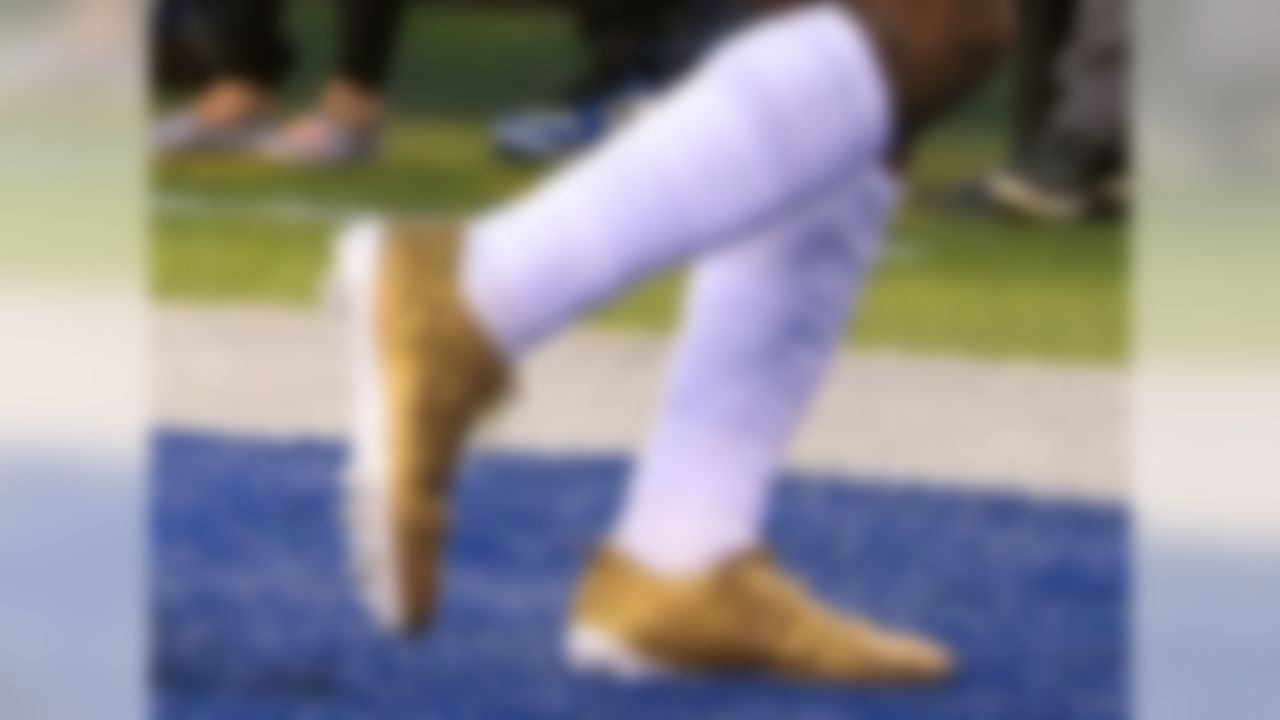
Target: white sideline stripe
[1052, 431]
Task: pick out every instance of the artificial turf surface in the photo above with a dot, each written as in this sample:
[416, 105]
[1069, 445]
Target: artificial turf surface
[253, 615]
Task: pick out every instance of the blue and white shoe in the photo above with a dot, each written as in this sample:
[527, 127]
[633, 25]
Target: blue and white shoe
[320, 141]
[182, 133]
[554, 134]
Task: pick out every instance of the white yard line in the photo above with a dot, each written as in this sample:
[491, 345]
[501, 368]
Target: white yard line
[1055, 431]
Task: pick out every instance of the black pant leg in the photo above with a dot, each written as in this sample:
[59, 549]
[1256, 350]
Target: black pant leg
[1092, 114]
[252, 44]
[1043, 31]
[624, 41]
[1081, 140]
[367, 41]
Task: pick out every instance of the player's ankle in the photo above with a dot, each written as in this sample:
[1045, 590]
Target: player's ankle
[351, 105]
[230, 102]
[676, 555]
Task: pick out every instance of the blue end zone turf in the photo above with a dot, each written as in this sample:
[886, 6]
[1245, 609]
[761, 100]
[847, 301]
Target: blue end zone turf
[253, 618]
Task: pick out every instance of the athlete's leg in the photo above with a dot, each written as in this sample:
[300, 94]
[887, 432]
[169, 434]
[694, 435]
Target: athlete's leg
[683, 583]
[762, 321]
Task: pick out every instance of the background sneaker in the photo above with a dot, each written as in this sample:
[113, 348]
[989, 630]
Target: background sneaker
[182, 133]
[550, 135]
[320, 141]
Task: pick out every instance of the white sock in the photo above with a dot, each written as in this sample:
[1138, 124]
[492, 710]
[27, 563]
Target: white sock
[781, 114]
[762, 322]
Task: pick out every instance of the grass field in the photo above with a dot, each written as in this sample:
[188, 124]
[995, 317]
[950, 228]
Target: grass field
[224, 231]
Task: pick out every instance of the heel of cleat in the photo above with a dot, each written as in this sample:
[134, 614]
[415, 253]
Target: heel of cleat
[590, 651]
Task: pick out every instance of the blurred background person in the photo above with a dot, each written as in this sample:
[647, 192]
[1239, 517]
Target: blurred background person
[1069, 149]
[251, 54]
[183, 45]
[633, 48]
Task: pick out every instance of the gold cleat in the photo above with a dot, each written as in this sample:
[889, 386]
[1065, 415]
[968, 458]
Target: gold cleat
[744, 617]
[422, 374]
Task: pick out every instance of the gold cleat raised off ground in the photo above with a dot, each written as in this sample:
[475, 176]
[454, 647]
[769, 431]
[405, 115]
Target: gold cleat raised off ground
[744, 617]
[421, 375]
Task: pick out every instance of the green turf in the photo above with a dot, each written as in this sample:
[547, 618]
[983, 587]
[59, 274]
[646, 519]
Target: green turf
[946, 285]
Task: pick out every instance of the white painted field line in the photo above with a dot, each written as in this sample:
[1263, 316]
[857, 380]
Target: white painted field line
[1053, 431]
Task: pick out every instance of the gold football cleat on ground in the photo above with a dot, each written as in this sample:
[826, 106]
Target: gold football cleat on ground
[422, 374]
[745, 616]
